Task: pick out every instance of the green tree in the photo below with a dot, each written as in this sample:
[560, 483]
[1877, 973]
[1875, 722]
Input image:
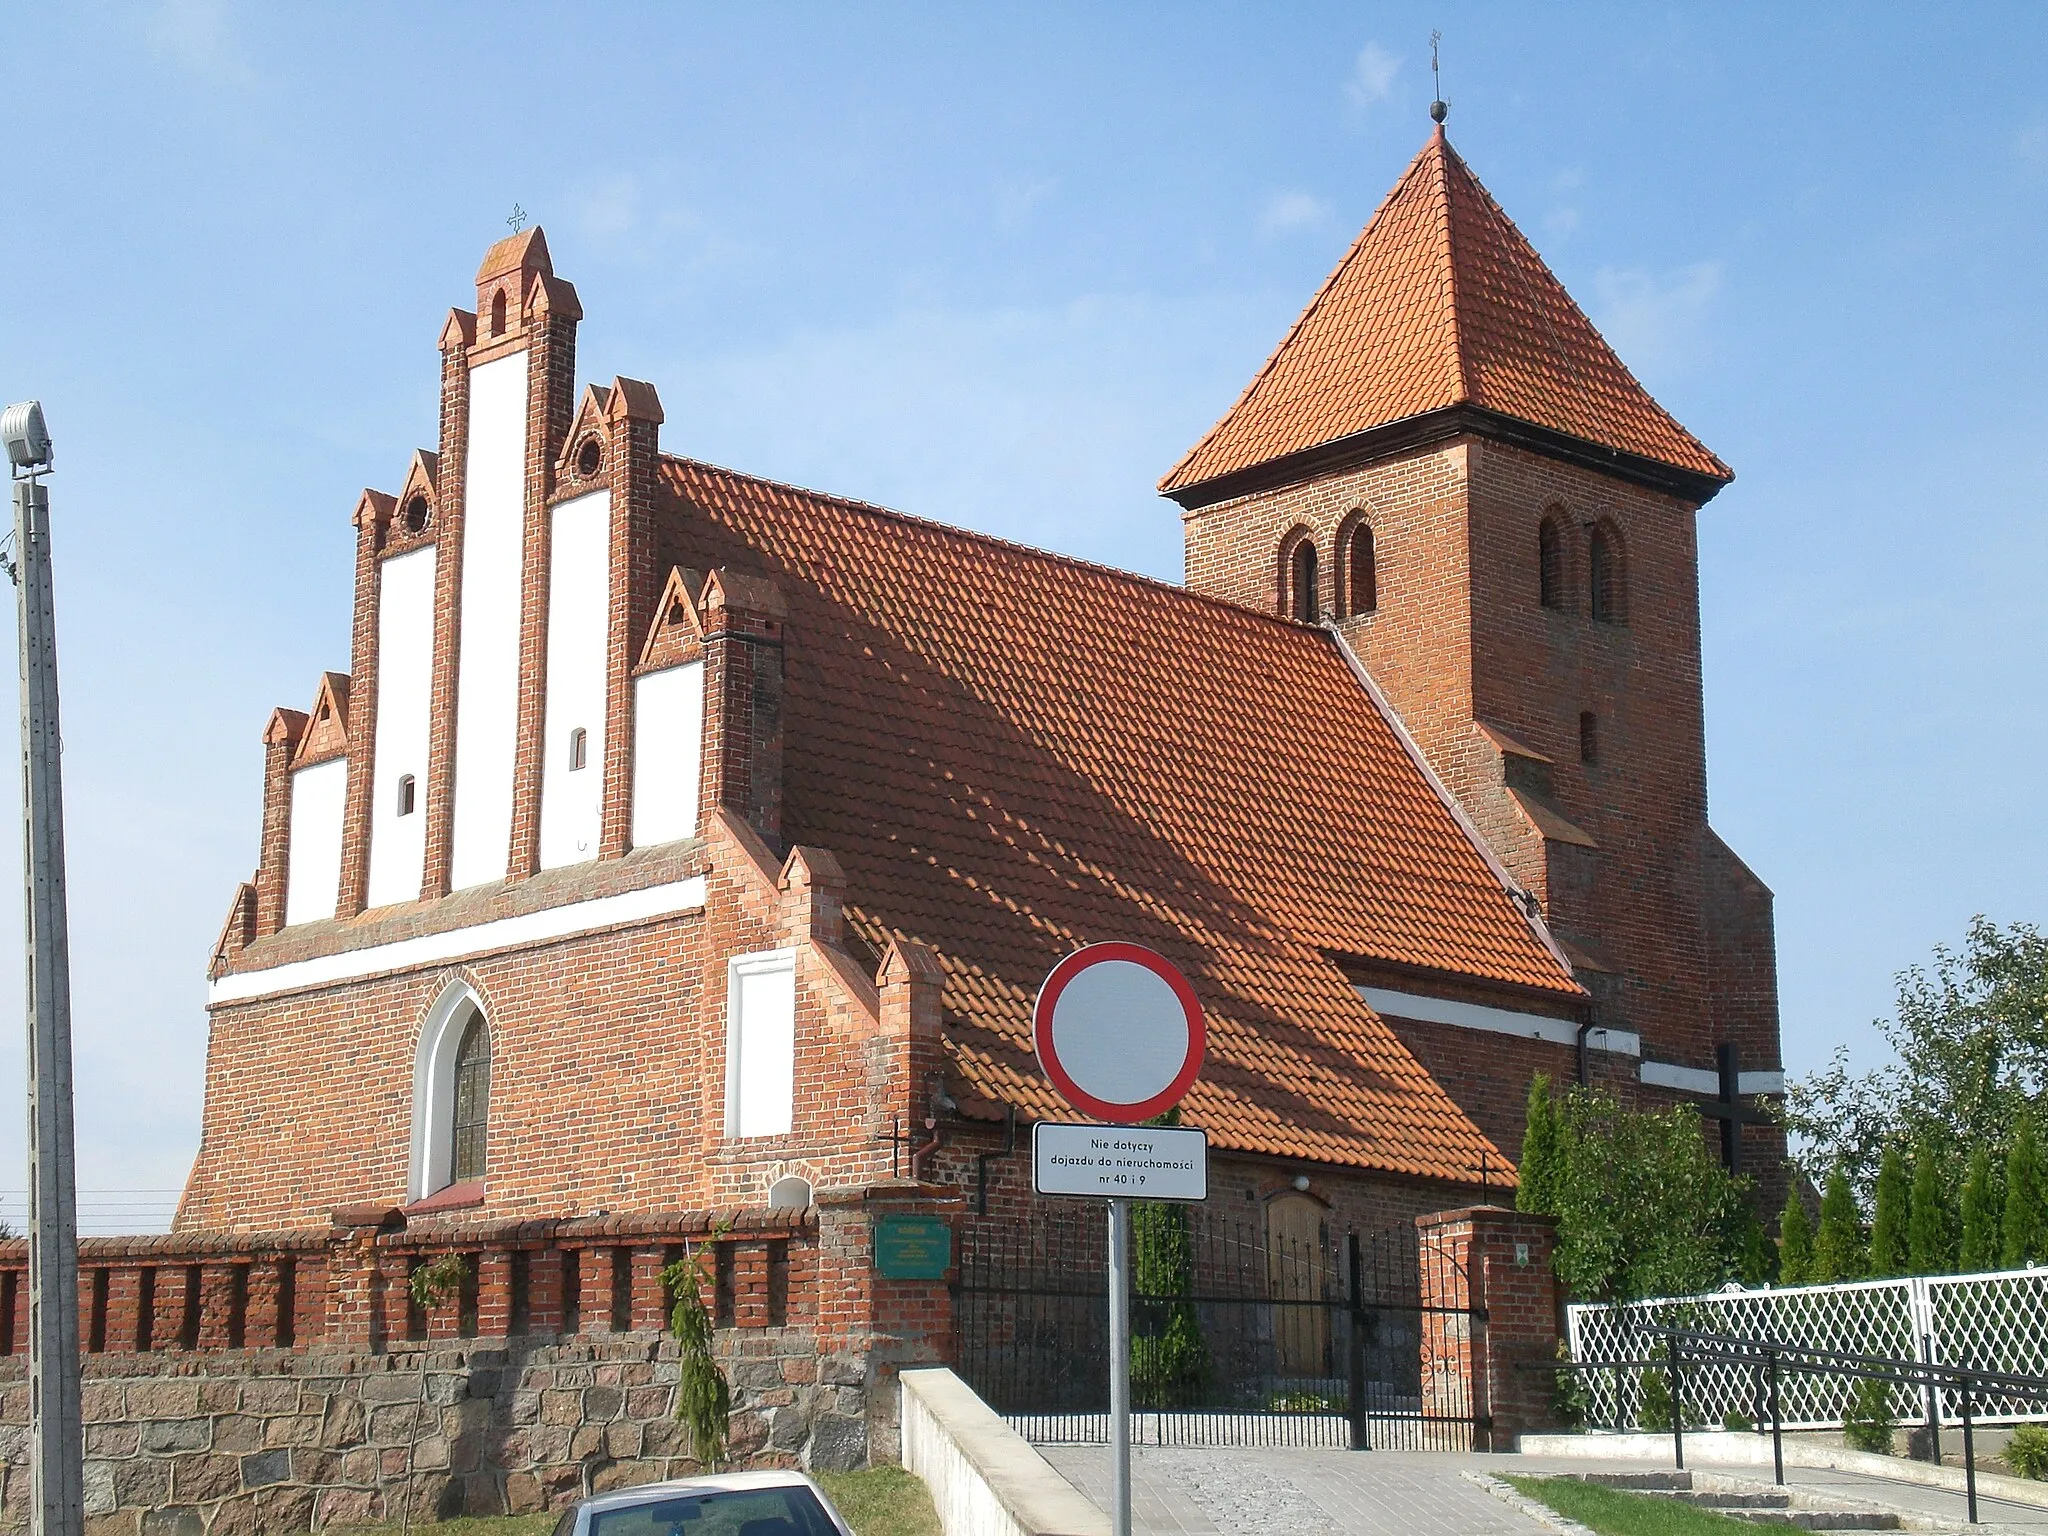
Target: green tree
[1795, 1241]
[1930, 1241]
[1888, 1219]
[1169, 1357]
[1971, 1036]
[2022, 1237]
[1540, 1167]
[1838, 1252]
[1980, 1243]
[1643, 1208]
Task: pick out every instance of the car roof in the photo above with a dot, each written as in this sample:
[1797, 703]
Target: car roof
[725, 1482]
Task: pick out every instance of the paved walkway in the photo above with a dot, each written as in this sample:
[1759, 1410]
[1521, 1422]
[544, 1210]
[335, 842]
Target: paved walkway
[1243, 1492]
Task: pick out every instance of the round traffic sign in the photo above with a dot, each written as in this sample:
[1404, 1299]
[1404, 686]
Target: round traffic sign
[1119, 1031]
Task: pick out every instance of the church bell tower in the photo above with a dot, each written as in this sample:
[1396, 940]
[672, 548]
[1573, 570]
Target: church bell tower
[1446, 464]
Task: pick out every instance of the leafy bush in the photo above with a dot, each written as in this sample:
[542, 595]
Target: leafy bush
[1568, 1402]
[1169, 1358]
[1643, 1208]
[1868, 1425]
[1654, 1414]
[2027, 1452]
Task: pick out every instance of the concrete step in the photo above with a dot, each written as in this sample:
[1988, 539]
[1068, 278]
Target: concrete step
[1728, 1502]
[1818, 1519]
[1642, 1482]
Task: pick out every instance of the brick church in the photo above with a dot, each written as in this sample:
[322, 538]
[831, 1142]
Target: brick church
[681, 840]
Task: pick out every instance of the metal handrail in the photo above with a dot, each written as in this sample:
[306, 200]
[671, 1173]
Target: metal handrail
[1776, 1356]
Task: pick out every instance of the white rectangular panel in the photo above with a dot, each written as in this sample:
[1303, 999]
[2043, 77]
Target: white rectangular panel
[579, 621]
[1119, 1161]
[405, 686]
[487, 672]
[668, 748]
[312, 883]
[649, 903]
[760, 1054]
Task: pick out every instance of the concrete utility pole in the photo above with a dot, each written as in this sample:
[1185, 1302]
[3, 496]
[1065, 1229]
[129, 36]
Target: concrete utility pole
[56, 1436]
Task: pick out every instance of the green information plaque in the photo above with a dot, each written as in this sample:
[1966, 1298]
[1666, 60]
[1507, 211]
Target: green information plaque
[912, 1247]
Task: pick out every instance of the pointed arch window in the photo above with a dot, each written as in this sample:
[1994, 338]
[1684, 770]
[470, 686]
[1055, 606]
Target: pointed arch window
[1361, 570]
[1607, 574]
[471, 1120]
[1550, 562]
[451, 1094]
[1303, 601]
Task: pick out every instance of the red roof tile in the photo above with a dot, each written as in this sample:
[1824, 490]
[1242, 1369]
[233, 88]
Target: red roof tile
[1014, 753]
[1439, 302]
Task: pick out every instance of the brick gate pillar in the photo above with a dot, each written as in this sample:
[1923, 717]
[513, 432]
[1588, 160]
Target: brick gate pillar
[871, 1327]
[1488, 1269]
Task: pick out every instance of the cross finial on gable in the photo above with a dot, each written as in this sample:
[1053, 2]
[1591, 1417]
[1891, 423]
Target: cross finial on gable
[517, 218]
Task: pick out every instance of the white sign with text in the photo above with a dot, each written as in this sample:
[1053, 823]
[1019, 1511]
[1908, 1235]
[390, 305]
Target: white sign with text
[1131, 1162]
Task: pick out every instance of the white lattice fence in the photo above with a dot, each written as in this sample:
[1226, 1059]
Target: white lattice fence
[1992, 1322]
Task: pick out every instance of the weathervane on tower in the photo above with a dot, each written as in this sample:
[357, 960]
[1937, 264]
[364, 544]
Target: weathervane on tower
[1439, 109]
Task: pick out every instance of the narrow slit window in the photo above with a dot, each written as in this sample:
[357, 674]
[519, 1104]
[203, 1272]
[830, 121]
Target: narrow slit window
[1302, 579]
[579, 748]
[498, 314]
[405, 794]
[1362, 559]
[1550, 563]
[1608, 583]
[1589, 737]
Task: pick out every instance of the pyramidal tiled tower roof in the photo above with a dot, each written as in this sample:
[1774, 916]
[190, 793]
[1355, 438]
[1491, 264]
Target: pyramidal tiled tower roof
[1441, 314]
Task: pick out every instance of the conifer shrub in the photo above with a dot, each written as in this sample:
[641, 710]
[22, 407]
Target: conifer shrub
[1868, 1425]
[2027, 1452]
[703, 1395]
[1838, 1252]
[1888, 1218]
[1795, 1241]
[1980, 1243]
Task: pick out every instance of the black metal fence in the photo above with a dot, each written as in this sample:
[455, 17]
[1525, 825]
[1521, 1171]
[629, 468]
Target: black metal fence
[1240, 1335]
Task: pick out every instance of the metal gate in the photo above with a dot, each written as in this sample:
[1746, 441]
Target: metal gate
[1243, 1333]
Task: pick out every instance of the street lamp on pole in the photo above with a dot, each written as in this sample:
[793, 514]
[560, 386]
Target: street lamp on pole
[58, 1493]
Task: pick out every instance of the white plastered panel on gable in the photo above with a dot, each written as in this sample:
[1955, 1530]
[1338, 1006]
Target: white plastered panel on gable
[312, 885]
[579, 616]
[405, 681]
[668, 748]
[487, 682]
[760, 1051]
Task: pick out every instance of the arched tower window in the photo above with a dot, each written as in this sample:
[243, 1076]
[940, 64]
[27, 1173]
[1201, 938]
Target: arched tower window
[1550, 562]
[471, 1120]
[451, 1093]
[1361, 570]
[1303, 601]
[498, 313]
[1607, 574]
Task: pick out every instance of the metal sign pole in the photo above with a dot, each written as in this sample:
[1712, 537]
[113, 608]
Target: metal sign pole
[58, 1507]
[1120, 1367]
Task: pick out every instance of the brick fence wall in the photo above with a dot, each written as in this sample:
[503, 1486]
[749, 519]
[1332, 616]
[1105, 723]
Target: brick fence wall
[289, 1381]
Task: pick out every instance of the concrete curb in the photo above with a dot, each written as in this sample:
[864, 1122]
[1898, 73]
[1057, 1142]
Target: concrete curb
[1747, 1449]
[1541, 1513]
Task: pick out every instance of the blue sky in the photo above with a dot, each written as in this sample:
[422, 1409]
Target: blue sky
[1000, 266]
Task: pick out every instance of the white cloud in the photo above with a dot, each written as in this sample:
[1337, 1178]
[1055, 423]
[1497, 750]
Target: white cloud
[1046, 424]
[1288, 211]
[1372, 76]
[1018, 198]
[1655, 320]
[197, 34]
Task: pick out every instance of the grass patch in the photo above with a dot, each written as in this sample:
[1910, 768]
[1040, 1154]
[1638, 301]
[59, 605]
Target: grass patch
[1618, 1512]
[882, 1501]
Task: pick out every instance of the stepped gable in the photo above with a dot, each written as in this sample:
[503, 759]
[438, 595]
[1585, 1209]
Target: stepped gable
[1013, 753]
[1440, 303]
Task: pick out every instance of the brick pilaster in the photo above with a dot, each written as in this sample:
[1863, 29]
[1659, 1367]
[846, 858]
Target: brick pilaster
[552, 313]
[635, 415]
[743, 618]
[1487, 1272]
[372, 519]
[458, 336]
[544, 1291]
[280, 741]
